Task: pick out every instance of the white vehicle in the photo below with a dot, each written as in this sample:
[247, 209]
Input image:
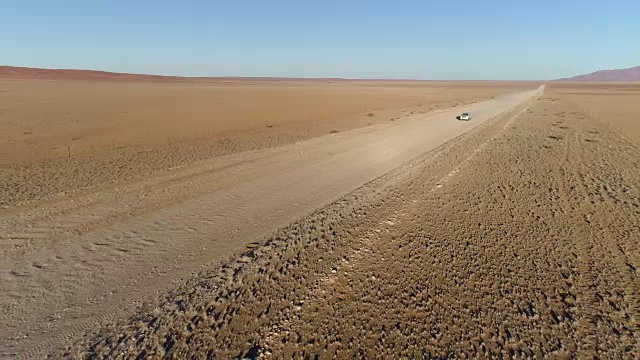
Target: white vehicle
[464, 116]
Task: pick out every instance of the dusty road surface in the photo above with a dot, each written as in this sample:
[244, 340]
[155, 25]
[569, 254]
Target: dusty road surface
[519, 238]
[73, 263]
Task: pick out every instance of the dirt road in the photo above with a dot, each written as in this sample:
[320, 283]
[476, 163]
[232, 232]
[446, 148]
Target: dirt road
[77, 261]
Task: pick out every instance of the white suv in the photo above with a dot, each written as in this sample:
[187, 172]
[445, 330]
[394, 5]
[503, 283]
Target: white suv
[464, 116]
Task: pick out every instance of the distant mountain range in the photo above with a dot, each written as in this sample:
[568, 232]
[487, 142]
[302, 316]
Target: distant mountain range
[630, 74]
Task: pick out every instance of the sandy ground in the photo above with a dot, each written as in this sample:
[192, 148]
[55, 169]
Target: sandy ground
[72, 263]
[516, 234]
[62, 136]
[614, 105]
[519, 238]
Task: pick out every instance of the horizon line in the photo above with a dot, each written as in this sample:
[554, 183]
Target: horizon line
[20, 70]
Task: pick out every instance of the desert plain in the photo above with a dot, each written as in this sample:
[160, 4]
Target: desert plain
[58, 136]
[319, 219]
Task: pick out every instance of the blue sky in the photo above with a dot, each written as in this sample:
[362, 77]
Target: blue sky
[463, 39]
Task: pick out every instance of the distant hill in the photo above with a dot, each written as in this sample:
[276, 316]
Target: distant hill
[630, 74]
[15, 72]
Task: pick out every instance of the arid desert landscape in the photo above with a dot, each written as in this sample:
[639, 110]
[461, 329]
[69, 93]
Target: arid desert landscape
[60, 135]
[328, 218]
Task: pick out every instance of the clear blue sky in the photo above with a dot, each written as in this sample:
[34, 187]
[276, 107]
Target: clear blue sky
[446, 39]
